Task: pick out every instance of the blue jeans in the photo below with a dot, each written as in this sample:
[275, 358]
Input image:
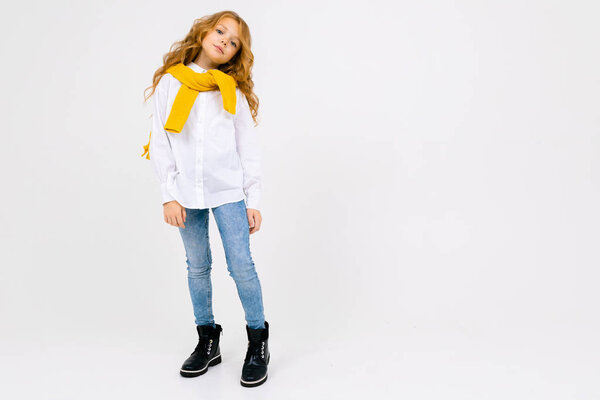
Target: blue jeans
[232, 222]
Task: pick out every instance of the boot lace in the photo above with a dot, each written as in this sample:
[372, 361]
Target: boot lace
[256, 349]
[204, 345]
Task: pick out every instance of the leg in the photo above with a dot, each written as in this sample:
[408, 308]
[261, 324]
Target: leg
[232, 222]
[199, 261]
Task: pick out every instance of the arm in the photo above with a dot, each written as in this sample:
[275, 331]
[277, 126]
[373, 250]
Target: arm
[161, 154]
[248, 148]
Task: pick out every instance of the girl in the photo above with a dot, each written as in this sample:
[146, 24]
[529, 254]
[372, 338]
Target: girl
[206, 155]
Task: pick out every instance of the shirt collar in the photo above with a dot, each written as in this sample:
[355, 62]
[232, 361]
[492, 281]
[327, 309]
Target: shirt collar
[196, 67]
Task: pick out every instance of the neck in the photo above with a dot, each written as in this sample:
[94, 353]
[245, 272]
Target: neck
[206, 64]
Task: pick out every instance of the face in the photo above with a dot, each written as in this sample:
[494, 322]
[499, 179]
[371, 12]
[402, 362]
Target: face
[220, 44]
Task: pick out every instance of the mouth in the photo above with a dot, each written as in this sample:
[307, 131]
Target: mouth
[220, 49]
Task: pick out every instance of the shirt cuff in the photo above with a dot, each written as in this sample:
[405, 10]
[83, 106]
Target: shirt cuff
[166, 197]
[253, 201]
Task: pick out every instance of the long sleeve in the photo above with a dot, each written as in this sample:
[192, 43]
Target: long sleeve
[248, 148]
[161, 154]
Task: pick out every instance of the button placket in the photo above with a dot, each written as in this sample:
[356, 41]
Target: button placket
[201, 111]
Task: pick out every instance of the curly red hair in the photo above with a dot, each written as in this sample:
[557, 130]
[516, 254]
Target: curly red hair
[188, 49]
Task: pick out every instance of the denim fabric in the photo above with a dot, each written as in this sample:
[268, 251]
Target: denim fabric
[232, 221]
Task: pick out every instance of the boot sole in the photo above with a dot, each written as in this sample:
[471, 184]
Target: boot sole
[254, 383]
[190, 374]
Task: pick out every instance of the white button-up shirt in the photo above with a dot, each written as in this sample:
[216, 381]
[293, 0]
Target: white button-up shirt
[215, 159]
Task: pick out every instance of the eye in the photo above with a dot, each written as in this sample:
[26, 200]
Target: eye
[221, 32]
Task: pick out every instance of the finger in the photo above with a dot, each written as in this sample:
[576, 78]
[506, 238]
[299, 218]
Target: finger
[257, 221]
[184, 214]
[254, 229]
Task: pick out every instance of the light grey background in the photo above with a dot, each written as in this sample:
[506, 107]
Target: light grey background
[430, 205]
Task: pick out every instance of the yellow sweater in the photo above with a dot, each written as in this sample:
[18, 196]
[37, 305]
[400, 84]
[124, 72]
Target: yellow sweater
[192, 83]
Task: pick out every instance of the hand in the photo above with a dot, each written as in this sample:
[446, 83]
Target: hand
[174, 213]
[254, 219]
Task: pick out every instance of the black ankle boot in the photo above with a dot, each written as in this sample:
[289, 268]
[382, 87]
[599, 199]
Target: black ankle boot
[254, 371]
[207, 352]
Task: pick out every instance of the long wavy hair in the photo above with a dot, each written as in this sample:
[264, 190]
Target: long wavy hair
[188, 49]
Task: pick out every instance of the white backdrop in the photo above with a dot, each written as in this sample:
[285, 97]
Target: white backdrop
[430, 203]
